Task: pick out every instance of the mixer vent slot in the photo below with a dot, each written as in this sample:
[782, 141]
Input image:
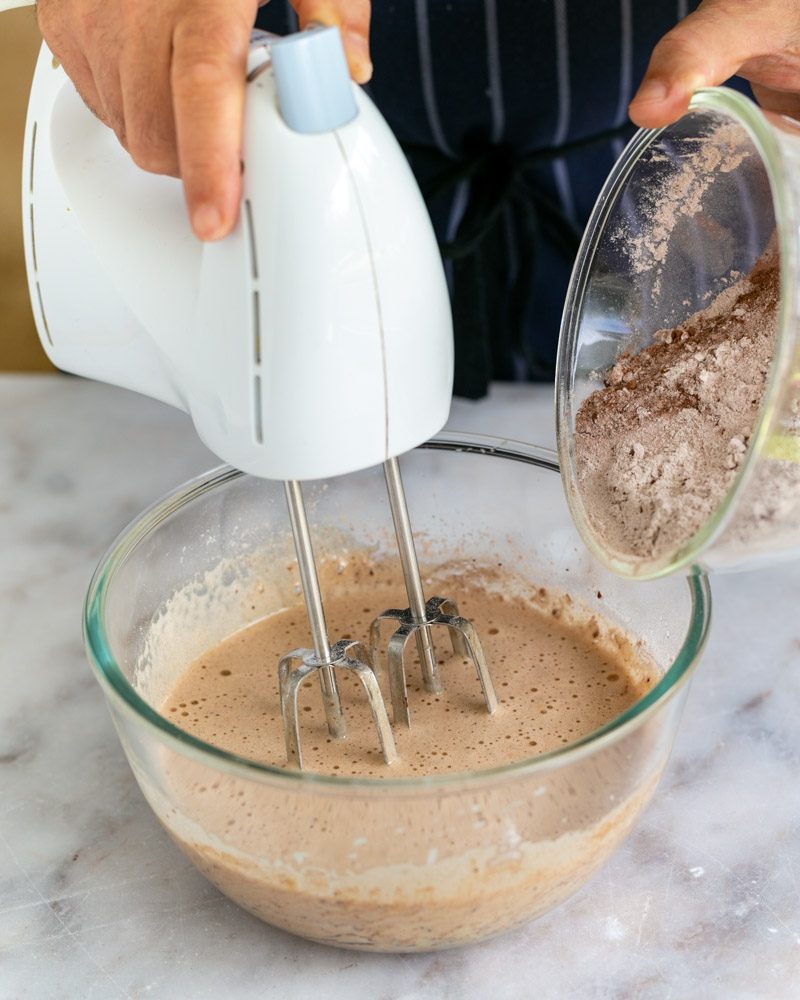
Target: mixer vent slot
[42, 313]
[33, 242]
[33, 154]
[248, 211]
[256, 328]
[258, 416]
[44, 316]
[259, 430]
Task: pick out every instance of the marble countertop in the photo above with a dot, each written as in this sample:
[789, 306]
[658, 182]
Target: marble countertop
[703, 900]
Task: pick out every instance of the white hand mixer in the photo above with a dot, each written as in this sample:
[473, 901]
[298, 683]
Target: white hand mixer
[331, 278]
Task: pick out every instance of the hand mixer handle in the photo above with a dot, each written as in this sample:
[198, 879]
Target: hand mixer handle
[314, 340]
[111, 259]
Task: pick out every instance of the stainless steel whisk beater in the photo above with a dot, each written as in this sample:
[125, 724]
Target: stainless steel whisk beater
[346, 654]
[420, 616]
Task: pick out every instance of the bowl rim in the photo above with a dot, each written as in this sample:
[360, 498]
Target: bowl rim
[756, 123]
[124, 697]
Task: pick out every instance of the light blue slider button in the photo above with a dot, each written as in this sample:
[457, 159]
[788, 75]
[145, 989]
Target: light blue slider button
[312, 80]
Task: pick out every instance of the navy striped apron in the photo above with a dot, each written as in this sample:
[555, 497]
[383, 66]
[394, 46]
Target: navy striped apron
[512, 113]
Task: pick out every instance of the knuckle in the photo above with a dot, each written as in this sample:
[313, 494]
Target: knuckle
[118, 128]
[209, 51]
[225, 36]
[109, 111]
[203, 73]
[685, 40]
[90, 104]
[152, 162]
[205, 172]
[680, 45]
[94, 103]
[152, 155]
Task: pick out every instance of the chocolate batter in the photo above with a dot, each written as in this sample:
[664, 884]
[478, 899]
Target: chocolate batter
[556, 680]
[421, 869]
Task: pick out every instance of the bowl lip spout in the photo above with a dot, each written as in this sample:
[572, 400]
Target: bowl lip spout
[125, 700]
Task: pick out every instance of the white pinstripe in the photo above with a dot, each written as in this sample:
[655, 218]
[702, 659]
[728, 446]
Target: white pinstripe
[428, 89]
[562, 72]
[625, 60]
[457, 208]
[493, 68]
[560, 171]
[683, 9]
[511, 247]
[561, 174]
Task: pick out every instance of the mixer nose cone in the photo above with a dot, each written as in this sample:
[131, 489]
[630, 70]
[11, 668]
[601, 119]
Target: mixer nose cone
[314, 89]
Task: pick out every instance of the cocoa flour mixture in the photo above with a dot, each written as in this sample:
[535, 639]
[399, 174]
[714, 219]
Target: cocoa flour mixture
[658, 446]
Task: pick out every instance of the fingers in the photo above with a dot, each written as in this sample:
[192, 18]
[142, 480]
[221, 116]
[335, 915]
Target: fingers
[352, 19]
[169, 77]
[147, 108]
[67, 50]
[208, 83]
[703, 50]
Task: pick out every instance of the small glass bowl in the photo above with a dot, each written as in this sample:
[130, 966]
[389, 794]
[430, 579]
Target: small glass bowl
[618, 299]
[399, 864]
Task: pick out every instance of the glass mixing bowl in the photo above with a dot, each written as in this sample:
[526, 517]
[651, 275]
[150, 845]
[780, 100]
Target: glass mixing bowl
[686, 210]
[398, 864]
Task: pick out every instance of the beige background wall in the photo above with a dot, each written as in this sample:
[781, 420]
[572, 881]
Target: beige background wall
[19, 44]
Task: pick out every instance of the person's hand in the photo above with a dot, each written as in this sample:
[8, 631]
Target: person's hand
[758, 39]
[168, 76]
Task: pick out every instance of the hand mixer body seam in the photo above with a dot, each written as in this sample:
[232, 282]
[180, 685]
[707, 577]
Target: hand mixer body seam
[419, 623]
[405, 539]
[375, 285]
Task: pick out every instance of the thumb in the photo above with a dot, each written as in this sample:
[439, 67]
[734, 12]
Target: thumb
[703, 50]
[351, 17]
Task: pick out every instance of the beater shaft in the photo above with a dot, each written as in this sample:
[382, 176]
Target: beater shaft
[345, 654]
[419, 617]
[314, 609]
[408, 561]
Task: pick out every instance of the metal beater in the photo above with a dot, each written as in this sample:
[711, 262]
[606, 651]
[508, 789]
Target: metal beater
[345, 654]
[416, 620]
[419, 617]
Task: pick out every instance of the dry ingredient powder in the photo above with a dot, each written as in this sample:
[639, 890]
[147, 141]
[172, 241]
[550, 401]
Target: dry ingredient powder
[658, 446]
[678, 194]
